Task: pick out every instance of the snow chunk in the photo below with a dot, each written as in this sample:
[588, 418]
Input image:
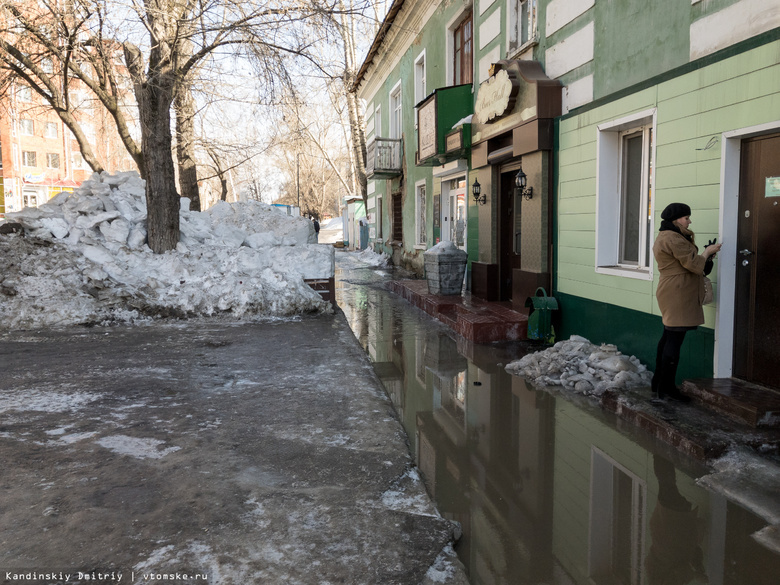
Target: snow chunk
[577, 364]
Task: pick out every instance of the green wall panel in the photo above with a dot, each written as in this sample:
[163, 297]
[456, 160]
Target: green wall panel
[640, 39]
[633, 332]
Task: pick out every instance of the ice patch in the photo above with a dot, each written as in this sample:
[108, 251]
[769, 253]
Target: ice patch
[136, 447]
[45, 401]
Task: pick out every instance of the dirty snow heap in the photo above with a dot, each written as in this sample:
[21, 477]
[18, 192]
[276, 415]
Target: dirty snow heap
[83, 259]
[579, 365]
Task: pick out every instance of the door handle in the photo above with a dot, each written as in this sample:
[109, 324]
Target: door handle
[745, 252]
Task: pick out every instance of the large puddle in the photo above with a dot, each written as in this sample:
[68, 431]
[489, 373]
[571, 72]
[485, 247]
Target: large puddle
[547, 488]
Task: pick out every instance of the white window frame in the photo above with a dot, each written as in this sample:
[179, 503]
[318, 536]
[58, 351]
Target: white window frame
[420, 72]
[50, 156]
[24, 93]
[51, 130]
[396, 112]
[78, 160]
[378, 121]
[609, 194]
[379, 212]
[25, 158]
[603, 516]
[420, 208]
[452, 24]
[26, 127]
[514, 25]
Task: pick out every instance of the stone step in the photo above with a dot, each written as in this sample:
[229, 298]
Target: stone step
[756, 406]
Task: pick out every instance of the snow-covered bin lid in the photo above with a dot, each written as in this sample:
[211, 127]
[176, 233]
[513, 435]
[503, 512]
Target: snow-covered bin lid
[444, 249]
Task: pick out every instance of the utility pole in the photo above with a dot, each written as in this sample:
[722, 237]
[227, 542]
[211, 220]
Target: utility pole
[298, 179]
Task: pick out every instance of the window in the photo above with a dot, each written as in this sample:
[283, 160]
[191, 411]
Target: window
[78, 161]
[378, 122]
[463, 43]
[396, 118]
[398, 217]
[29, 159]
[89, 132]
[46, 65]
[51, 130]
[625, 196]
[52, 160]
[379, 200]
[26, 127]
[24, 93]
[419, 79]
[421, 204]
[617, 522]
[522, 23]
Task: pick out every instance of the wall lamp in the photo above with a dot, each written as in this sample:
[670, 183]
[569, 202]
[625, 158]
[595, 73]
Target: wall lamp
[520, 184]
[476, 190]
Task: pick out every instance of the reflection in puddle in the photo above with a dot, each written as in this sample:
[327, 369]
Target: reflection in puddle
[548, 489]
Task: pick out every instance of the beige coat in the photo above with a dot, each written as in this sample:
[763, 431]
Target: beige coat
[681, 286]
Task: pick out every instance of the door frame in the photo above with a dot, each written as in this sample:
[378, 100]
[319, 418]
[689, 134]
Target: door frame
[731, 148]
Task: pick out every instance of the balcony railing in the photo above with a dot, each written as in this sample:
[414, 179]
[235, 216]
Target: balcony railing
[383, 158]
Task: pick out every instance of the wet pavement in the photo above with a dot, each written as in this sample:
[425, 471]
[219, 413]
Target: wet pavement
[551, 487]
[226, 453]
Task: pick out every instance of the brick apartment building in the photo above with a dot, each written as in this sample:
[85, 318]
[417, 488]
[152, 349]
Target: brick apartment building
[40, 156]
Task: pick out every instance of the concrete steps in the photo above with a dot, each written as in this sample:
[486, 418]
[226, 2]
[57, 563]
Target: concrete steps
[753, 405]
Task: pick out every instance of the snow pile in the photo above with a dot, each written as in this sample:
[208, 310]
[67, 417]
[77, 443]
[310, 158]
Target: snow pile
[579, 365]
[84, 260]
[368, 256]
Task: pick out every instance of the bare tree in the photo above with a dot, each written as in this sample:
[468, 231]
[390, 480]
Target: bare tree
[179, 35]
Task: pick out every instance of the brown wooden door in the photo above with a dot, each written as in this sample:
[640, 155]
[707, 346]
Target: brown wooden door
[509, 233]
[757, 303]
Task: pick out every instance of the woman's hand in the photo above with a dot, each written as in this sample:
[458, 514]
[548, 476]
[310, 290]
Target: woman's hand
[710, 251]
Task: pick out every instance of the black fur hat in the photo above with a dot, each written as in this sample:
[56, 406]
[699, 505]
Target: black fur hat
[675, 211]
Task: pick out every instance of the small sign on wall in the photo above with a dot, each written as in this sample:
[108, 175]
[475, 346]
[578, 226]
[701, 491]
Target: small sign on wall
[772, 187]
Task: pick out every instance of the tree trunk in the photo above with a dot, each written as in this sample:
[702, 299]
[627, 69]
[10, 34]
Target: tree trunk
[162, 200]
[357, 125]
[184, 105]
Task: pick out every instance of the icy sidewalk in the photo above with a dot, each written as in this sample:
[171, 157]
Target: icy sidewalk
[253, 453]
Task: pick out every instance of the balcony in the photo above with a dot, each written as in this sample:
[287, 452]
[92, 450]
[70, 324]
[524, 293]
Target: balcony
[383, 158]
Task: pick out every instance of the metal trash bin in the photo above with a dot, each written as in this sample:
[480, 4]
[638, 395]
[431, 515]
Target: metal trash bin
[540, 319]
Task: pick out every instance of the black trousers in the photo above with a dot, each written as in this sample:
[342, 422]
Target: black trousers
[669, 346]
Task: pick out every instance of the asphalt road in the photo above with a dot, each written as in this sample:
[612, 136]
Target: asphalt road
[226, 453]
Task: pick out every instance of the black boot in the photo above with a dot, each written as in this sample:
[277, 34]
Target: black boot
[666, 382]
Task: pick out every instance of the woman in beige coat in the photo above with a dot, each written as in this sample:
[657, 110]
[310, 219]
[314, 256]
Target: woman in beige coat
[680, 292]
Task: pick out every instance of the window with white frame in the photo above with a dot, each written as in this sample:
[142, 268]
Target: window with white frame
[419, 78]
[618, 520]
[26, 127]
[378, 121]
[78, 161]
[522, 23]
[29, 158]
[51, 130]
[625, 195]
[420, 224]
[463, 51]
[379, 235]
[396, 118]
[52, 160]
[24, 93]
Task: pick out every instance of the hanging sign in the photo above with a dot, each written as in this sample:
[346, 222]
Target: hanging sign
[34, 177]
[496, 97]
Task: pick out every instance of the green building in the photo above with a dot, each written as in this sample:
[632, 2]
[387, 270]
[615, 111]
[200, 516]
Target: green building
[608, 110]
